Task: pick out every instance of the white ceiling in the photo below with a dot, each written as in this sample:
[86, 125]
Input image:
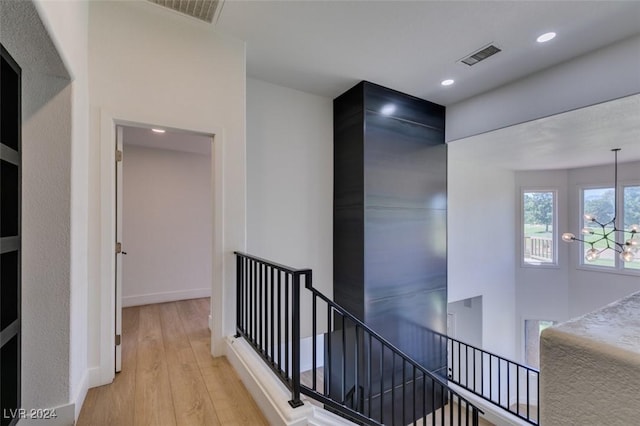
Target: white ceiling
[325, 47]
[174, 140]
[578, 138]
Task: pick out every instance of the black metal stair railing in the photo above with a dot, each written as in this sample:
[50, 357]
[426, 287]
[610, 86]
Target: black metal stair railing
[365, 377]
[353, 371]
[507, 384]
[268, 315]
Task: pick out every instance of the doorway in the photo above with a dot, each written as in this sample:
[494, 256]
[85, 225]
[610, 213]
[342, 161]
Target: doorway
[163, 218]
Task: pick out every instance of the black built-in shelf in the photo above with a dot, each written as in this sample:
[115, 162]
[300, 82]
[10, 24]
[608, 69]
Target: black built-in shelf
[10, 208]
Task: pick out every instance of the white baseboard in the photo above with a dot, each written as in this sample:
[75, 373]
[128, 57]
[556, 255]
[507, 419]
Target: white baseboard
[270, 393]
[492, 414]
[81, 394]
[167, 296]
[64, 416]
[96, 377]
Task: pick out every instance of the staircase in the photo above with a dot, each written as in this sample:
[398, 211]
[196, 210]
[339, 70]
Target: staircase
[356, 373]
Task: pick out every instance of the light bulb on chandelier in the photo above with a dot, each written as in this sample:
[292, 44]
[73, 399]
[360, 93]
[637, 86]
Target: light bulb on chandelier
[607, 235]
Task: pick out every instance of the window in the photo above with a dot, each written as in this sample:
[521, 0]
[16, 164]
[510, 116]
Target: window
[599, 203]
[630, 217]
[532, 330]
[538, 227]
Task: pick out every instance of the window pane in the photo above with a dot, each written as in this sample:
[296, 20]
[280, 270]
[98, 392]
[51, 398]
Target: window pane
[538, 217]
[598, 202]
[631, 216]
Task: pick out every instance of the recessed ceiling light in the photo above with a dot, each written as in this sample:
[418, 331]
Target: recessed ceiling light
[546, 37]
[158, 130]
[447, 82]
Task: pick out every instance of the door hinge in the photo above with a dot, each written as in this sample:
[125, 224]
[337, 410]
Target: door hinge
[118, 248]
[118, 339]
[118, 155]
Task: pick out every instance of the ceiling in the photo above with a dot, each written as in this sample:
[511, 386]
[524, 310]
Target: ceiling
[325, 47]
[578, 138]
[174, 140]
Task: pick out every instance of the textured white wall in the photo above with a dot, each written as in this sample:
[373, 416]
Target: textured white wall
[49, 44]
[167, 227]
[573, 84]
[481, 220]
[590, 368]
[150, 65]
[46, 294]
[68, 24]
[290, 179]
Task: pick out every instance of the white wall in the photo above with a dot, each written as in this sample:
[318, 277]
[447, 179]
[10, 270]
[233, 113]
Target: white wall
[542, 293]
[481, 246]
[55, 125]
[467, 326]
[290, 179]
[588, 289]
[167, 225]
[150, 65]
[570, 85]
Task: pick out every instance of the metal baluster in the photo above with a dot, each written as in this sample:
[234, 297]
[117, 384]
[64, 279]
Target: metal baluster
[414, 393]
[295, 338]
[518, 390]
[280, 321]
[273, 335]
[393, 387]
[314, 334]
[404, 397]
[287, 318]
[369, 384]
[327, 372]
[344, 358]
[381, 382]
[259, 303]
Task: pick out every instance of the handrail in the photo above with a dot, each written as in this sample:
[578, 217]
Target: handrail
[365, 377]
[364, 343]
[489, 379]
[268, 315]
[365, 327]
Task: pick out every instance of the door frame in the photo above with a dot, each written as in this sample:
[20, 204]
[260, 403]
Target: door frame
[109, 121]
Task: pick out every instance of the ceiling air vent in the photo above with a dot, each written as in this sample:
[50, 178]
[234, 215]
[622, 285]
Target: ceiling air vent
[205, 10]
[480, 55]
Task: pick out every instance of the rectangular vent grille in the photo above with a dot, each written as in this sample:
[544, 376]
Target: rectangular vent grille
[480, 55]
[204, 10]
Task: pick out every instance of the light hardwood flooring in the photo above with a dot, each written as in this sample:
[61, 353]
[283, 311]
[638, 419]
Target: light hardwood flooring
[168, 375]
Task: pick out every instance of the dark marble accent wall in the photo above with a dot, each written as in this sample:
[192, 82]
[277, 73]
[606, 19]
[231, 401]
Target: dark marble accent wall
[390, 209]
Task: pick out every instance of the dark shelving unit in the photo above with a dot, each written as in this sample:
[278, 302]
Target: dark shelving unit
[10, 245]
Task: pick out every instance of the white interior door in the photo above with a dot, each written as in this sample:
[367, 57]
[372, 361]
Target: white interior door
[119, 250]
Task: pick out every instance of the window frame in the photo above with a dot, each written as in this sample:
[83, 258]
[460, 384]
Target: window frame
[554, 231]
[618, 267]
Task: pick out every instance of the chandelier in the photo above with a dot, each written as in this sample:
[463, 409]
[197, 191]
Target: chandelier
[607, 236]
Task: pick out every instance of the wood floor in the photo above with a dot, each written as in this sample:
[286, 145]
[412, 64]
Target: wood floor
[168, 375]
